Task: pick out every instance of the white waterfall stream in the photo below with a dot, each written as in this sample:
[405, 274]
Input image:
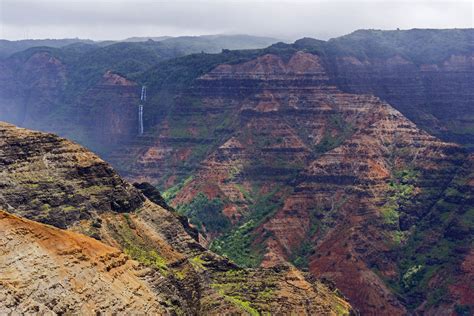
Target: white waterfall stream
[140, 111]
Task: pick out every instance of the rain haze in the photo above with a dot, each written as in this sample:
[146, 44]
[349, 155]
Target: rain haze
[288, 20]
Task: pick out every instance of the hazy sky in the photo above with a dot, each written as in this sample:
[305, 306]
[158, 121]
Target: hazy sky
[118, 19]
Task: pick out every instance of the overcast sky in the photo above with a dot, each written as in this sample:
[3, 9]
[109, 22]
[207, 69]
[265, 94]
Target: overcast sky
[288, 20]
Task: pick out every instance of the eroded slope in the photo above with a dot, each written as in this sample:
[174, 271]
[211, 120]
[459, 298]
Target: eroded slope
[176, 274]
[45, 269]
[293, 169]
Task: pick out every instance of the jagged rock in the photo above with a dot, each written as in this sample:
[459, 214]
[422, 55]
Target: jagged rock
[335, 159]
[54, 181]
[46, 269]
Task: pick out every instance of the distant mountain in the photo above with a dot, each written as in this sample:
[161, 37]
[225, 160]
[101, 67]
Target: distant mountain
[210, 43]
[189, 44]
[215, 43]
[144, 39]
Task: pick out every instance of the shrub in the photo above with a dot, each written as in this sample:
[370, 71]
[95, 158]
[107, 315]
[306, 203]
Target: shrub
[202, 211]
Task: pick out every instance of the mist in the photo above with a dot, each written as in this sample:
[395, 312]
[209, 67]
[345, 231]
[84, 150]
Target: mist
[287, 20]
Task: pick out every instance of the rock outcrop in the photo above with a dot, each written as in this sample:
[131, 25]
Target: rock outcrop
[49, 179]
[48, 270]
[306, 173]
[142, 260]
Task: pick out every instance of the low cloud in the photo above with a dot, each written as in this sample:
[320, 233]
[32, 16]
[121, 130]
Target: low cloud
[106, 19]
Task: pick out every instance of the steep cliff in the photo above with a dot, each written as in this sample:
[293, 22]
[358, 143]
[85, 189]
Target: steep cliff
[72, 90]
[314, 153]
[427, 75]
[48, 270]
[49, 179]
[72, 94]
[273, 163]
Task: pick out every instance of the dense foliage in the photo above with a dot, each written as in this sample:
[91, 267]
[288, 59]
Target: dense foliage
[239, 244]
[206, 213]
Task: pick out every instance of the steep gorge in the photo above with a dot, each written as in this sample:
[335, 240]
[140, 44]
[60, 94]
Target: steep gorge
[426, 93]
[305, 153]
[143, 257]
[303, 172]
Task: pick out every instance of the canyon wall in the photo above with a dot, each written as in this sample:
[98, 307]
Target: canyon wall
[438, 97]
[316, 153]
[38, 92]
[291, 168]
[142, 257]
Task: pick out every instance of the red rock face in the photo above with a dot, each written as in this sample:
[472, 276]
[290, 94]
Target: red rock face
[345, 189]
[271, 67]
[426, 93]
[333, 158]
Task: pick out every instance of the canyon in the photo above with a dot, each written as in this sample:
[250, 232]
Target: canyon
[141, 257]
[333, 182]
[350, 160]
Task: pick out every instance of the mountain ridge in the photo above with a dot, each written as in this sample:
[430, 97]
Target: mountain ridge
[143, 254]
[370, 171]
[314, 154]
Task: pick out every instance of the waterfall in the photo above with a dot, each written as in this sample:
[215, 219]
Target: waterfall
[140, 119]
[143, 96]
[140, 111]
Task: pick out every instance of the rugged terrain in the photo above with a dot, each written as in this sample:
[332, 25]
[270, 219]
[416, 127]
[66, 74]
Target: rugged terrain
[319, 154]
[82, 89]
[273, 162]
[431, 82]
[45, 269]
[422, 73]
[143, 258]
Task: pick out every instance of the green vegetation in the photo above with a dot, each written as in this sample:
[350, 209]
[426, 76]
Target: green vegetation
[238, 244]
[149, 258]
[431, 254]
[171, 193]
[241, 304]
[411, 276]
[202, 211]
[45, 208]
[69, 208]
[301, 258]
[338, 130]
[137, 248]
[401, 190]
[249, 291]
[247, 195]
[198, 262]
[390, 214]
[182, 71]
